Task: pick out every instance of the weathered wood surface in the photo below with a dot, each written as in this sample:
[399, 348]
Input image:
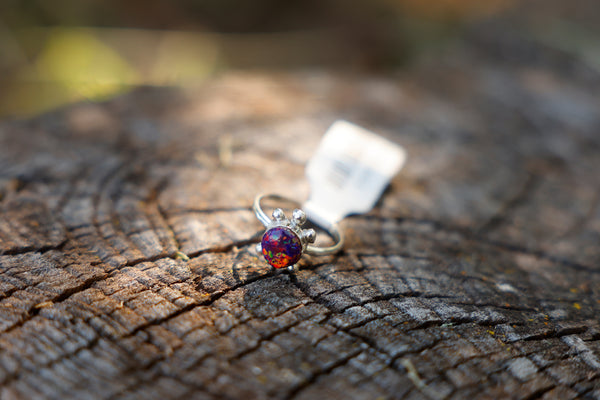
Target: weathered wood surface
[477, 275]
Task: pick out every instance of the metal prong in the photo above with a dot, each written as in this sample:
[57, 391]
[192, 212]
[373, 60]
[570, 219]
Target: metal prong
[309, 235]
[299, 216]
[258, 248]
[290, 268]
[278, 214]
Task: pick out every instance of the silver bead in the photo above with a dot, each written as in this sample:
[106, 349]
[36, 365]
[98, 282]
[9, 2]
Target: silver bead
[258, 248]
[278, 214]
[299, 216]
[309, 235]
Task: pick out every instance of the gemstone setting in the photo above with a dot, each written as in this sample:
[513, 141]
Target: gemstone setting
[281, 246]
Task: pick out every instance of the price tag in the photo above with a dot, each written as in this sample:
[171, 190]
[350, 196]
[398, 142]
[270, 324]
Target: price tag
[349, 171]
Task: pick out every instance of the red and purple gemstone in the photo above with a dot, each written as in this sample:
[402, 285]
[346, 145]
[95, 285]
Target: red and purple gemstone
[281, 247]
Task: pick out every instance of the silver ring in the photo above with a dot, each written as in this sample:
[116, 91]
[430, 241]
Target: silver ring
[284, 240]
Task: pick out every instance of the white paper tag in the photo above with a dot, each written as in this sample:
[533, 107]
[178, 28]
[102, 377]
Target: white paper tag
[349, 171]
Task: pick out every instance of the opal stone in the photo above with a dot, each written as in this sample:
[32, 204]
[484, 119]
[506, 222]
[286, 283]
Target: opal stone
[281, 247]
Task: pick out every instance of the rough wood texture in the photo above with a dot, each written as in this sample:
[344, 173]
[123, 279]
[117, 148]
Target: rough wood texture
[476, 275]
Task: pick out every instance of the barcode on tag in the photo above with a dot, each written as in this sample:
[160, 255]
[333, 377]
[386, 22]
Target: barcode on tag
[341, 171]
[349, 171]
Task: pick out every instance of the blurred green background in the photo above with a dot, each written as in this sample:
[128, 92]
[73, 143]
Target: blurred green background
[56, 52]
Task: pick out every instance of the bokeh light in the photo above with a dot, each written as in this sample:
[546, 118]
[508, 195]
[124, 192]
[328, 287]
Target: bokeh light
[52, 53]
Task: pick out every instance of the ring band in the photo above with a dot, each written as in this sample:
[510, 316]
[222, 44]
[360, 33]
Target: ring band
[284, 241]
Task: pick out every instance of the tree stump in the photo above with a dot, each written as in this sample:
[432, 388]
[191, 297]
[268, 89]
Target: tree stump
[128, 267]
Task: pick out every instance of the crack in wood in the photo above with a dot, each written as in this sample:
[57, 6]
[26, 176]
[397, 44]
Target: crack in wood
[17, 251]
[531, 182]
[295, 391]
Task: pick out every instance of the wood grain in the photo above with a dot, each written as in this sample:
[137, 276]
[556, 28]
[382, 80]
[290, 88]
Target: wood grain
[128, 270]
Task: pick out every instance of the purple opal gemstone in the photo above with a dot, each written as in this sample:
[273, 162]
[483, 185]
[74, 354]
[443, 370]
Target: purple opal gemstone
[281, 247]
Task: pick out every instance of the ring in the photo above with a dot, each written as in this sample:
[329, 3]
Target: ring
[284, 240]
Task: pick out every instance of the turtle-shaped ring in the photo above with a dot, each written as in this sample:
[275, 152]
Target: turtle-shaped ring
[284, 240]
